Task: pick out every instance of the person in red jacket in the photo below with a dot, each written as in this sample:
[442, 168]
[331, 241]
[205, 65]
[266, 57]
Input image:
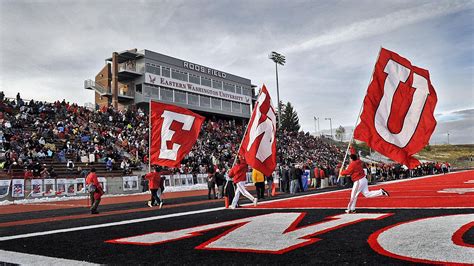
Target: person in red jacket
[238, 173]
[95, 190]
[356, 171]
[154, 183]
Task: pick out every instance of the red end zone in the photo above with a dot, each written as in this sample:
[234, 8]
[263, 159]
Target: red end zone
[454, 190]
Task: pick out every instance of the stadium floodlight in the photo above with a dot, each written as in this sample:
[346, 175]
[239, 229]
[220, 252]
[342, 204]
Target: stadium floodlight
[279, 59]
[330, 124]
[318, 131]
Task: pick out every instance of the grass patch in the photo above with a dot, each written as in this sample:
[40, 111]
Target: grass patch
[459, 156]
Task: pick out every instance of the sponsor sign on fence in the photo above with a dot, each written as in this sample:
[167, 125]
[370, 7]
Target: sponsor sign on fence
[37, 187]
[130, 183]
[18, 188]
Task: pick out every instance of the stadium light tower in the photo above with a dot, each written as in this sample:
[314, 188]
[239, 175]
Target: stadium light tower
[317, 119]
[330, 124]
[279, 59]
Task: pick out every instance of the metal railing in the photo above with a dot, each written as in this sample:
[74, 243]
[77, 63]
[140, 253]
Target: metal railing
[90, 84]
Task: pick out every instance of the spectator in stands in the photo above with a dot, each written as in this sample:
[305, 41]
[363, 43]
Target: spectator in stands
[109, 164]
[82, 172]
[52, 172]
[28, 173]
[70, 165]
[44, 172]
[62, 156]
[125, 166]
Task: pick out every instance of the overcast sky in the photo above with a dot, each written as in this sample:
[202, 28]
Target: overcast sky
[48, 48]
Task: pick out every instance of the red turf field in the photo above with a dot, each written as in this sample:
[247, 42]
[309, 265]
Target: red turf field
[454, 190]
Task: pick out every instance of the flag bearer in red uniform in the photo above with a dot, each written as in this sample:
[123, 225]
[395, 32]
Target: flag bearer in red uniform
[238, 174]
[154, 183]
[95, 190]
[356, 171]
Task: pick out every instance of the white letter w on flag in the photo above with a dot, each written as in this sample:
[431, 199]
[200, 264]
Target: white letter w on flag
[267, 128]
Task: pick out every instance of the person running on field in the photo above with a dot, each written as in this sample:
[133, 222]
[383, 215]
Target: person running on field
[356, 171]
[238, 174]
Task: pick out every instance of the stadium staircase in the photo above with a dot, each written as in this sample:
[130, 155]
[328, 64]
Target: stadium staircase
[91, 85]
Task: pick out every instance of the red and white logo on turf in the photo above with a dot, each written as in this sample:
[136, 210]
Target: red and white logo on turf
[398, 117]
[246, 234]
[174, 130]
[259, 143]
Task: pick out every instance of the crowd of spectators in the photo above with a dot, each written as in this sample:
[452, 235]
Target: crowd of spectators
[34, 132]
[377, 172]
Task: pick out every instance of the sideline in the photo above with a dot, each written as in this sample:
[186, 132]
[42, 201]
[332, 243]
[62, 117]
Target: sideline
[80, 228]
[86, 215]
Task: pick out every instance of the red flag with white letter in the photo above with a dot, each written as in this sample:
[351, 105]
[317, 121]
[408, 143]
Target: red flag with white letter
[398, 117]
[174, 130]
[259, 143]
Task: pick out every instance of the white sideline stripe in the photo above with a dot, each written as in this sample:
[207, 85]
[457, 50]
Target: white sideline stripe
[29, 259]
[6, 238]
[363, 208]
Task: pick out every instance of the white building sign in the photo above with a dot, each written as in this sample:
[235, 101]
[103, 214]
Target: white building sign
[194, 88]
[204, 69]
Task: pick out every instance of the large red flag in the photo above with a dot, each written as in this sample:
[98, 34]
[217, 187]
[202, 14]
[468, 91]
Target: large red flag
[174, 130]
[259, 143]
[398, 117]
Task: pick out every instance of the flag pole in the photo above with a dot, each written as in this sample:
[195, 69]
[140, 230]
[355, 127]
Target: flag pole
[357, 120]
[245, 131]
[149, 137]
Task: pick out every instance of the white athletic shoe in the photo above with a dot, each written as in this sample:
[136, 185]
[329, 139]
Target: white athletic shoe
[255, 200]
[161, 204]
[231, 207]
[149, 204]
[350, 211]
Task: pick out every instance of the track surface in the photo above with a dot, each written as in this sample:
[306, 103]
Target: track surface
[426, 220]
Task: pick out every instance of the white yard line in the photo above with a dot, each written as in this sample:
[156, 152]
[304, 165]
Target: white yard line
[30, 259]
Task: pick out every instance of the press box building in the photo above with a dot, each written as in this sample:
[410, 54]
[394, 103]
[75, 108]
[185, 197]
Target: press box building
[135, 77]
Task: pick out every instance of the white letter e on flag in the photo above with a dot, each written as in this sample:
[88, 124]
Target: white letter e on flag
[167, 133]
